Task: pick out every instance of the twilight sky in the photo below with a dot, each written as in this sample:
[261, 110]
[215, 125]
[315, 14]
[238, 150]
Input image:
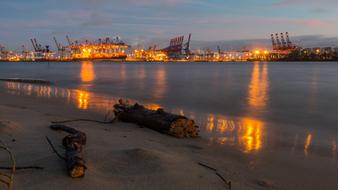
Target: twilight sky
[137, 20]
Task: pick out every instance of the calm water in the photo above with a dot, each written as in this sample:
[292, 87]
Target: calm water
[252, 106]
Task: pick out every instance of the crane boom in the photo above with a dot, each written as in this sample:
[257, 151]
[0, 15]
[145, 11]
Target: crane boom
[57, 44]
[68, 39]
[187, 45]
[34, 46]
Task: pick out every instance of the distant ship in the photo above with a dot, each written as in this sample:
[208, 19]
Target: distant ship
[106, 49]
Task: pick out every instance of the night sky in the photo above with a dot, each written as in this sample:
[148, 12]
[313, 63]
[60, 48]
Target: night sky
[136, 20]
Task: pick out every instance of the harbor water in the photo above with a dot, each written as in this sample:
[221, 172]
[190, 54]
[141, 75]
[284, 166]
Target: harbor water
[253, 107]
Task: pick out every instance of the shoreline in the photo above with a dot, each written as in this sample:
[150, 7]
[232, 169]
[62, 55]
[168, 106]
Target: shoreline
[171, 61]
[125, 156]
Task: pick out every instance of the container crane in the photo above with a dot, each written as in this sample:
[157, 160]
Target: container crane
[288, 41]
[284, 45]
[57, 44]
[61, 49]
[274, 45]
[219, 50]
[187, 46]
[279, 44]
[68, 40]
[34, 46]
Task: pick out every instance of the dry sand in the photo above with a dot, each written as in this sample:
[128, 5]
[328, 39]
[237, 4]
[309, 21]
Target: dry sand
[125, 156]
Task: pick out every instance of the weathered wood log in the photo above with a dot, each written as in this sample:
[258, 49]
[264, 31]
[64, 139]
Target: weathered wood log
[31, 81]
[73, 144]
[159, 120]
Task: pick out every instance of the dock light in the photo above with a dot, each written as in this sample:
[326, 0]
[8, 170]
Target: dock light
[257, 52]
[266, 52]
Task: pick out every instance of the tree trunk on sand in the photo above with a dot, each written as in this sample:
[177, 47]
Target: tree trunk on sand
[73, 144]
[159, 120]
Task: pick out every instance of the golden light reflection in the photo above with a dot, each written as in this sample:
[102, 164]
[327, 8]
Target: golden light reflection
[307, 144]
[82, 100]
[87, 72]
[160, 82]
[246, 133]
[259, 85]
[251, 135]
[222, 125]
[211, 123]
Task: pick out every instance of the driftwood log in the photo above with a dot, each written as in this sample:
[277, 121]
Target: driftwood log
[73, 144]
[159, 120]
[31, 81]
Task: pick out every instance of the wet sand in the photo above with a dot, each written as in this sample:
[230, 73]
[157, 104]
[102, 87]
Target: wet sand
[125, 156]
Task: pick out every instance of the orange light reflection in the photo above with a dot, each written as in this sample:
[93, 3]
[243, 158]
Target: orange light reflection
[160, 82]
[87, 72]
[82, 98]
[307, 145]
[248, 132]
[258, 88]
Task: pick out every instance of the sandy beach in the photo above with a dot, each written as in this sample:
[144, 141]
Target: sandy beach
[125, 156]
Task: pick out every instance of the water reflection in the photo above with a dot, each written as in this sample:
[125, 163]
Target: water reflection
[314, 90]
[250, 131]
[83, 100]
[123, 73]
[251, 134]
[334, 149]
[307, 144]
[246, 133]
[160, 87]
[87, 72]
[141, 76]
[259, 86]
